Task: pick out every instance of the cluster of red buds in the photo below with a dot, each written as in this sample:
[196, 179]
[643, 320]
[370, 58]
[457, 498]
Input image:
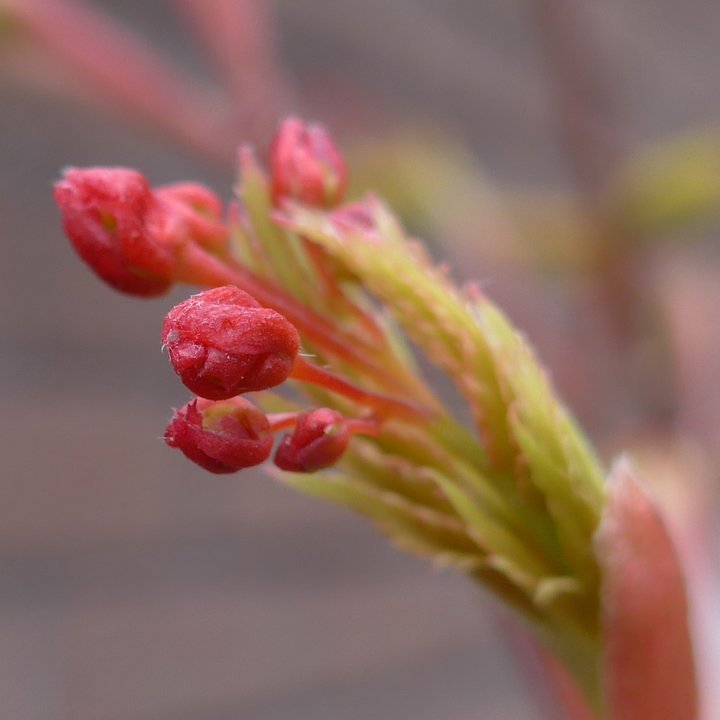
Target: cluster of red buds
[135, 238]
[222, 342]
[521, 507]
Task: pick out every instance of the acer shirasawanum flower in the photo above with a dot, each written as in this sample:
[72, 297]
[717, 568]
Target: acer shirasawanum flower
[222, 437]
[515, 502]
[306, 165]
[320, 438]
[132, 236]
[104, 214]
[222, 343]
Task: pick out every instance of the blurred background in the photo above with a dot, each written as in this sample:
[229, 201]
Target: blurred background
[565, 154]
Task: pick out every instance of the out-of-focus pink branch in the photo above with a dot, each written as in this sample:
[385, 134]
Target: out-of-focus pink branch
[648, 665]
[580, 93]
[238, 37]
[565, 691]
[557, 693]
[690, 297]
[125, 71]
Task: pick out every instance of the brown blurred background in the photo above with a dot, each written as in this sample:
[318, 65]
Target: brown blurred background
[135, 587]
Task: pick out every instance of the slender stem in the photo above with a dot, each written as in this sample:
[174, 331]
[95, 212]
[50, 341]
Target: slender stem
[239, 39]
[593, 150]
[127, 71]
[594, 147]
[360, 426]
[282, 421]
[335, 294]
[199, 267]
[356, 426]
[581, 104]
[383, 404]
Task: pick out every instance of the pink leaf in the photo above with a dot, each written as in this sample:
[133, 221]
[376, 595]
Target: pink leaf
[648, 666]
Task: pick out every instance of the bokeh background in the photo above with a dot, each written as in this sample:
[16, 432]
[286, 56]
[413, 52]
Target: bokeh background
[517, 136]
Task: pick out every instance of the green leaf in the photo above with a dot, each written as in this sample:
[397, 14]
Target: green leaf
[669, 185]
[428, 308]
[419, 530]
[283, 250]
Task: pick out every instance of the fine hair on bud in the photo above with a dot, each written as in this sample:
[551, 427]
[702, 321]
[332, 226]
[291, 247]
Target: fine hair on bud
[105, 213]
[191, 212]
[320, 438]
[222, 437]
[132, 235]
[222, 343]
[306, 166]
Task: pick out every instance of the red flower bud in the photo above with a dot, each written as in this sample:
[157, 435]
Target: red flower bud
[221, 437]
[104, 213]
[319, 440]
[222, 343]
[130, 235]
[306, 165]
[190, 211]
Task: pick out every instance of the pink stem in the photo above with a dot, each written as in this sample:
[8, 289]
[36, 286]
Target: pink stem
[282, 421]
[238, 37]
[334, 293]
[358, 426]
[126, 71]
[199, 267]
[384, 404]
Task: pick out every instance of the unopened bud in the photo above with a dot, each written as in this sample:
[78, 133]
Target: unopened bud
[320, 438]
[221, 437]
[306, 165]
[191, 211]
[131, 235]
[222, 343]
[104, 214]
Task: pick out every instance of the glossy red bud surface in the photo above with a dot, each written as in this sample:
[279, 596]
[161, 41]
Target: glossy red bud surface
[320, 438]
[222, 437]
[191, 212]
[222, 343]
[105, 213]
[306, 166]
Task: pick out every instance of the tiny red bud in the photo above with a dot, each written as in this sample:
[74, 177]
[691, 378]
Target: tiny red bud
[104, 212]
[222, 343]
[320, 438]
[131, 235]
[306, 165]
[191, 210]
[221, 437]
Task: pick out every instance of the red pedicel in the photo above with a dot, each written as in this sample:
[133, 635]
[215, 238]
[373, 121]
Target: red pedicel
[222, 343]
[221, 437]
[306, 165]
[320, 438]
[131, 235]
